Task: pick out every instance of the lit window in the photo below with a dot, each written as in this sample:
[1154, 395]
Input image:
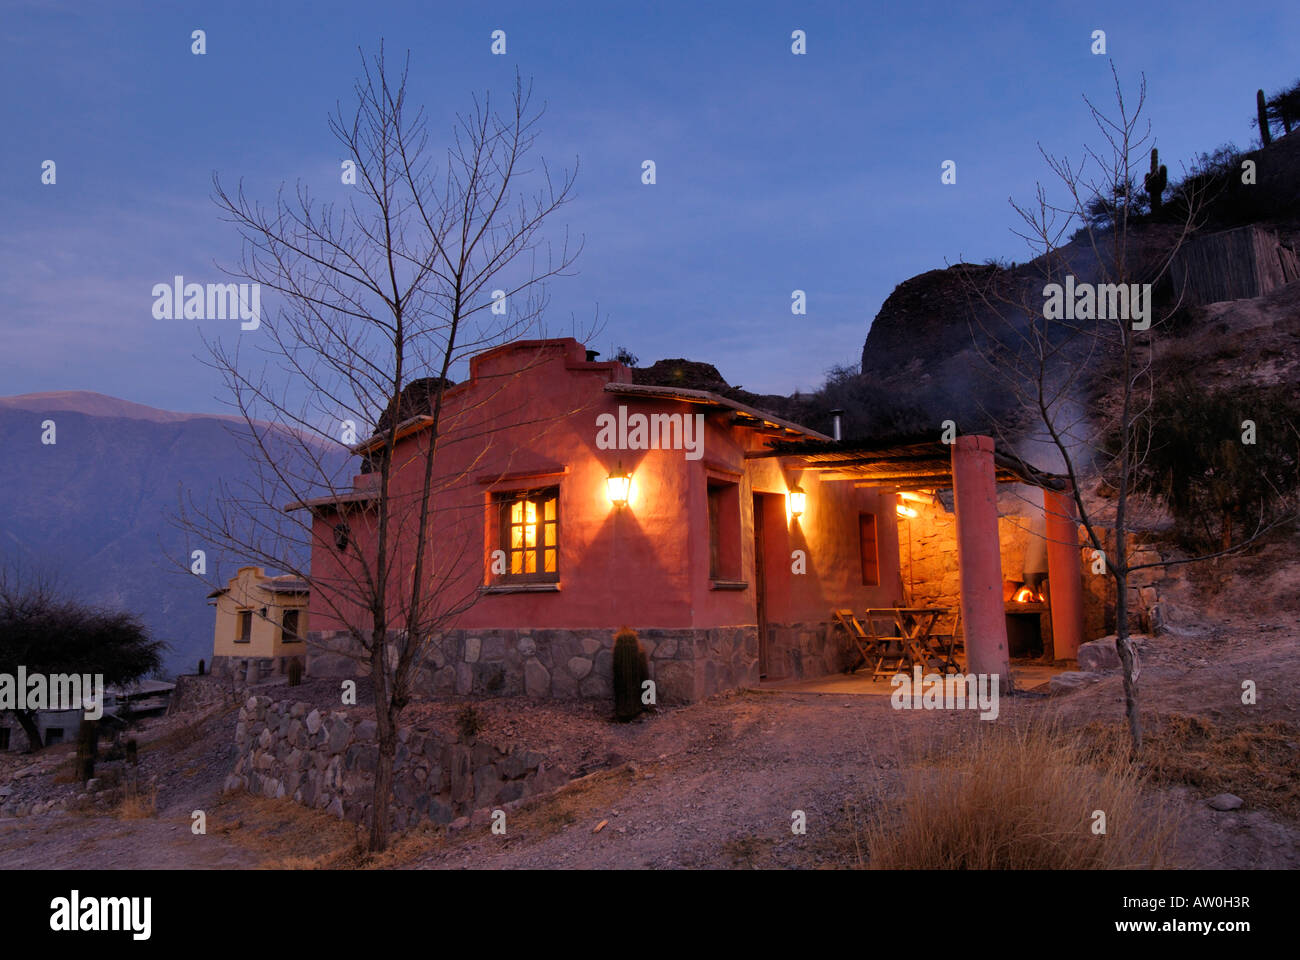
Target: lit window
[529, 527]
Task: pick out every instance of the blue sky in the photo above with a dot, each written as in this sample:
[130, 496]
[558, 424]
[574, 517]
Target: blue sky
[775, 172]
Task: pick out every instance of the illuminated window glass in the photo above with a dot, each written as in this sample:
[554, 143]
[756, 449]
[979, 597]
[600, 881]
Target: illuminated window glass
[529, 534]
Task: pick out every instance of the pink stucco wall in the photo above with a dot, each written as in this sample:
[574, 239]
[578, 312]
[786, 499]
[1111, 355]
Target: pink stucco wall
[527, 419]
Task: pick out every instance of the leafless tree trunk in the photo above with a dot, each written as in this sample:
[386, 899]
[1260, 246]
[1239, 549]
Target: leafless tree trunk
[393, 288]
[1056, 368]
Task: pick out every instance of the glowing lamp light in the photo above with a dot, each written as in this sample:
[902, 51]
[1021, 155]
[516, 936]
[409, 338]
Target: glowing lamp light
[618, 485]
[905, 511]
[798, 500]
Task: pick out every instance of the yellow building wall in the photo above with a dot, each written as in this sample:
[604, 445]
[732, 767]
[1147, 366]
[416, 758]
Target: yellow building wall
[265, 640]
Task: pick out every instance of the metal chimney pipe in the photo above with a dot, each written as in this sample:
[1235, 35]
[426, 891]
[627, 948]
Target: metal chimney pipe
[835, 423]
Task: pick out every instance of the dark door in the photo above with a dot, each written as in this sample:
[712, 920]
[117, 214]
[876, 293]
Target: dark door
[760, 584]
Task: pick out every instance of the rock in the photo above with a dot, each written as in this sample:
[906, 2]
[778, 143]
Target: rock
[367, 730]
[340, 736]
[473, 645]
[537, 679]
[459, 824]
[1101, 655]
[579, 667]
[298, 710]
[527, 646]
[314, 722]
[1071, 680]
[1226, 801]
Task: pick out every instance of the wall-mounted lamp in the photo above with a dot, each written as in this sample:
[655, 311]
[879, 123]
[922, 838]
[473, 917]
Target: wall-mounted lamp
[619, 485]
[905, 511]
[798, 500]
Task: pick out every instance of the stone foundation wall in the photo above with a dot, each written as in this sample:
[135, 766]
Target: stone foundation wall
[805, 650]
[685, 664]
[263, 668]
[327, 762]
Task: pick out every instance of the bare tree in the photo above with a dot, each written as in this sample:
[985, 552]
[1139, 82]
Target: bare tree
[379, 301]
[1083, 382]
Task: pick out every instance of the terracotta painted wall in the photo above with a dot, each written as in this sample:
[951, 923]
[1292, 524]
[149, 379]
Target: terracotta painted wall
[646, 565]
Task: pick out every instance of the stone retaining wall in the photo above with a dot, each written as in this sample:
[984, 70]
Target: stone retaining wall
[327, 761]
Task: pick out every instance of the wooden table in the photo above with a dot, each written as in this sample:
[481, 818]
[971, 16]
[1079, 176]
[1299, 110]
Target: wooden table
[904, 638]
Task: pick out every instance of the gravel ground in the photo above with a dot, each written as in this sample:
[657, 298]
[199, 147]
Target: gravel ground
[715, 784]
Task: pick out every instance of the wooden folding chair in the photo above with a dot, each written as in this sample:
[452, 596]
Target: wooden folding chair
[877, 651]
[944, 644]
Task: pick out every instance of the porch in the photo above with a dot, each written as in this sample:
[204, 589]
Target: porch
[999, 545]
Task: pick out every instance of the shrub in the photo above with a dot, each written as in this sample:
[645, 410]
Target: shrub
[1197, 462]
[468, 722]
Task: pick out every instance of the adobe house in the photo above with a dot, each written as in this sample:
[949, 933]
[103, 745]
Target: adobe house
[260, 624]
[570, 501]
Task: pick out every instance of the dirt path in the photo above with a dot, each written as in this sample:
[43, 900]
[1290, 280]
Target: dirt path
[66, 841]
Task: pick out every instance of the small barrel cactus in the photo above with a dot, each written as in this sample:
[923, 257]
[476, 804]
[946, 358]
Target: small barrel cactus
[630, 673]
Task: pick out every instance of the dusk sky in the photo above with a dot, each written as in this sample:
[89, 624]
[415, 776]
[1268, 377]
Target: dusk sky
[775, 172]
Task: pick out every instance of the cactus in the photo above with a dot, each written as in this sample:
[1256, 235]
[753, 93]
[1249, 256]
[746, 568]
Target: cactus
[87, 749]
[630, 672]
[132, 752]
[201, 666]
[1261, 106]
[1155, 182]
[295, 672]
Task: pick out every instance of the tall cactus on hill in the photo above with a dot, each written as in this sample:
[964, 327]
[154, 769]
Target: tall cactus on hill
[1155, 182]
[1261, 106]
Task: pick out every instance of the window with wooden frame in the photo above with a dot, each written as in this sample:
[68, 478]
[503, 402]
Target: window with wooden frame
[244, 627]
[724, 530]
[289, 627]
[869, 549]
[528, 531]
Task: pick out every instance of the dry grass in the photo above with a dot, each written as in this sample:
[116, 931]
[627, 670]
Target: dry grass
[288, 836]
[137, 803]
[1255, 761]
[188, 734]
[1011, 799]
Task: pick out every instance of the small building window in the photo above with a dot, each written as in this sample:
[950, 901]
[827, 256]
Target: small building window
[869, 549]
[244, 629]
[528, 524]
[724, 530]
[289, 627]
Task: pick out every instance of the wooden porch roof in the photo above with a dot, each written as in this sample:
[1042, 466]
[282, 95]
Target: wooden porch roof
[907, 463]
